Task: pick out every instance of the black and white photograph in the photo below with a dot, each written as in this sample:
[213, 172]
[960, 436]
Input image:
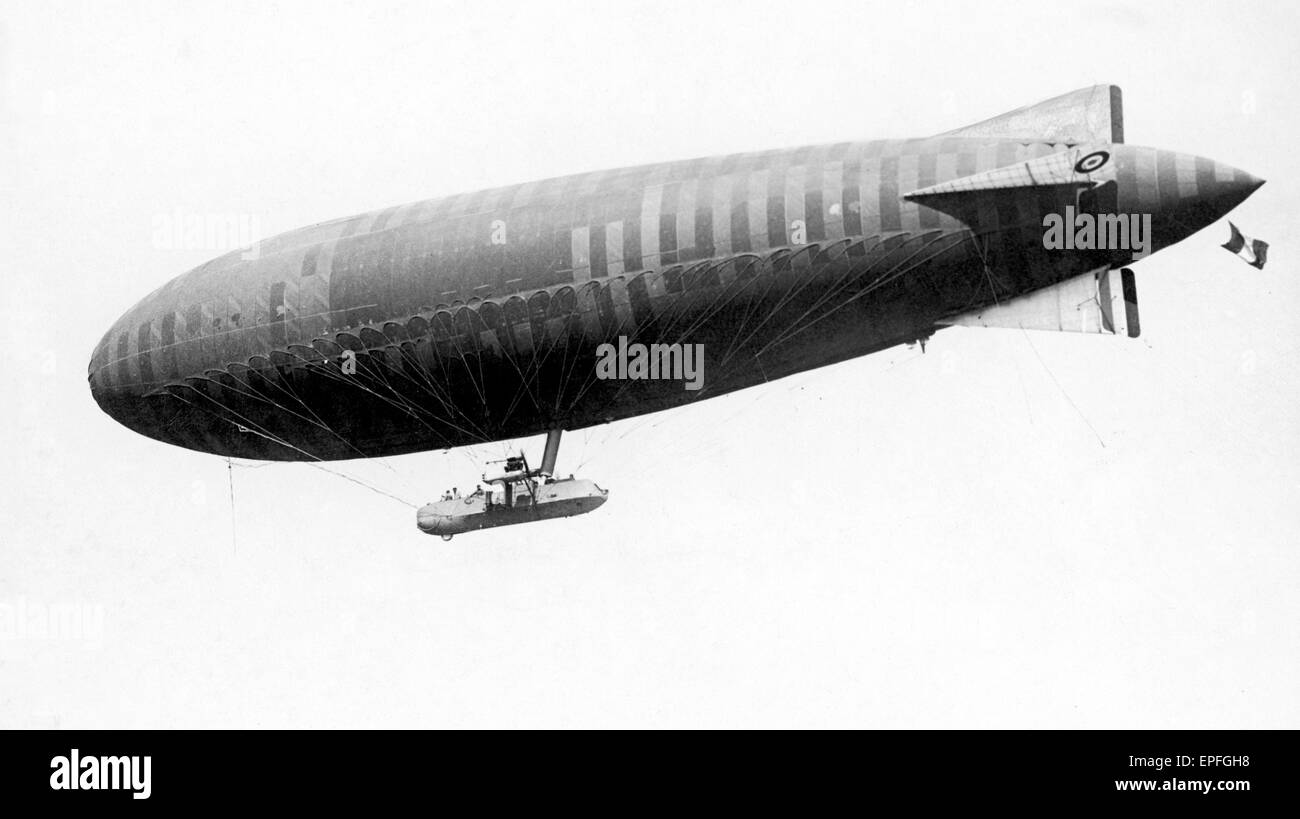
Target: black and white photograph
[650, 365]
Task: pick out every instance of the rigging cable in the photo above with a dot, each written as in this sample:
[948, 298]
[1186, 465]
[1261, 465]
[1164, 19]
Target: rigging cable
[251, 427]
[230, 474]
[1062, 389]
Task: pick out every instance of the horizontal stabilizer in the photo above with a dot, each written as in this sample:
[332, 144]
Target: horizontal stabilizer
[1094, 114]
[1101, 301]
[1080, 166]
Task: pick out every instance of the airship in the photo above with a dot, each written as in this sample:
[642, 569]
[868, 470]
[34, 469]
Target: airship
[570, 302]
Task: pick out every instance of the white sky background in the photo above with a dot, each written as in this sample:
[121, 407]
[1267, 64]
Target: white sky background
[898, 541]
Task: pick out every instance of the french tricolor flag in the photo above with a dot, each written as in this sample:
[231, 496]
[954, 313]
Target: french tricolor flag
[1253, 251]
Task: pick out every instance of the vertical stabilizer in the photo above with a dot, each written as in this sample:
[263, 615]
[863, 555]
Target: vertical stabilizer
[1094, 114]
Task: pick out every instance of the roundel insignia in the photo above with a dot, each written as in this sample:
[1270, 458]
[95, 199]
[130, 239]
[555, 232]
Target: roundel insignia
[1091, 162]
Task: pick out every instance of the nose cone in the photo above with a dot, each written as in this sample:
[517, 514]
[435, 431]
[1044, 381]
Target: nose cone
[168, 367]
[1182, 192]
[116, 381]
[134, 376]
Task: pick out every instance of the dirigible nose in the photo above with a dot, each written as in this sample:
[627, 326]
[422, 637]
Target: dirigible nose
[112, 373]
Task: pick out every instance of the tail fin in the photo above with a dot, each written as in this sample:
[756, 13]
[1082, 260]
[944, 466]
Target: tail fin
[1101, 301]
[1094, 114]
